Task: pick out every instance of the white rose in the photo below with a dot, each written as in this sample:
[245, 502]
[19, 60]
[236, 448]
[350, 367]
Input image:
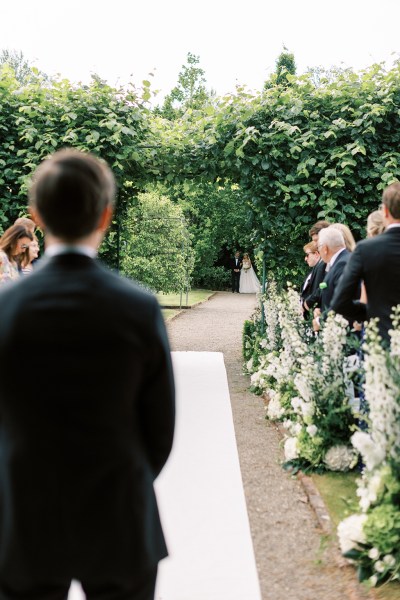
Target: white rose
[312, 430]
[389, 560]
[350, 532]
[379, 566]
[372, 453]
[373, 580]
[373, 554]
[291, 449]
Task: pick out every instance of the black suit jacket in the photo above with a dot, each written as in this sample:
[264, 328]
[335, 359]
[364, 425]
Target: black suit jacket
[313, 293]
[375, 261]
[86, 424]
[233, 265]
[332, 278]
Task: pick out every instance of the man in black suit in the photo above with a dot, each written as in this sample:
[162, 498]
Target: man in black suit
[376, 262]
[236, 265]
[310, 287]
[89, 425]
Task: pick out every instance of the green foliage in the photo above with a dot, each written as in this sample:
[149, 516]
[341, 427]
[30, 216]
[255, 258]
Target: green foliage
[249, 333]
[298, 153]
[156, 248]
[43, 117]
[218, 221]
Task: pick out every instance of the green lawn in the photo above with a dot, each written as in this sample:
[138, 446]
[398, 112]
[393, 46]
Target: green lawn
[194, 297]
[338, 491]
[168, 313]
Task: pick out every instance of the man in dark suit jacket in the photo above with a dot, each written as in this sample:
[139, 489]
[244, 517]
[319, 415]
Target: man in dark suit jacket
[87, 422]
[310, 286]
[333, 252]
[376, 262]
[236, 265]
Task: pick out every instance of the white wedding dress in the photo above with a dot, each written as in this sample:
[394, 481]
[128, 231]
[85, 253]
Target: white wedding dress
[249, 283]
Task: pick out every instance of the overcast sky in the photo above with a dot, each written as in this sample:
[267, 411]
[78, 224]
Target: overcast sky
[238, 41]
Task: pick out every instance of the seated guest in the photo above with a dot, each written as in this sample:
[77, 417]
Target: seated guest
[349, 240]
[375, 261]
[14, 242]
[314, 277]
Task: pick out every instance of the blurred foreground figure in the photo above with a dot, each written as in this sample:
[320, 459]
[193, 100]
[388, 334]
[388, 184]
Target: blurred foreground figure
[79, 451]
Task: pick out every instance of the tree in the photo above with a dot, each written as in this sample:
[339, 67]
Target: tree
[23, 69]
[156, 250]
[189, 93]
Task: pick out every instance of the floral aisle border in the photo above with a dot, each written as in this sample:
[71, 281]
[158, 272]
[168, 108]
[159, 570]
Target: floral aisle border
[306, 381]
[371, 538]
[309, 386]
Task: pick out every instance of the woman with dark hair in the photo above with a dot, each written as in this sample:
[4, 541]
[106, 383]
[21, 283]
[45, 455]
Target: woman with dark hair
[13, 244]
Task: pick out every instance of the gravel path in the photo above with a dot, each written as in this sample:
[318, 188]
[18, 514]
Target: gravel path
[294, 560]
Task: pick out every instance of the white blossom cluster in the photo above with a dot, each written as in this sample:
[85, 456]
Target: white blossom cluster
[379, 447]
[270, 304]
[382, 395]
[323, 363]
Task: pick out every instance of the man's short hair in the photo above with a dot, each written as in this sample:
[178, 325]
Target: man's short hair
[316, 228]
[391, 199]
[331, 237]
[70, 191]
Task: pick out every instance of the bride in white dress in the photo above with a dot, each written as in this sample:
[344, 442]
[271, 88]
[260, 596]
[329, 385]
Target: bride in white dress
[249, 283]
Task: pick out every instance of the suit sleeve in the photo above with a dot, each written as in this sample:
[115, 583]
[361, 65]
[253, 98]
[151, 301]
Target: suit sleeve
[348, 288]
[157, 403]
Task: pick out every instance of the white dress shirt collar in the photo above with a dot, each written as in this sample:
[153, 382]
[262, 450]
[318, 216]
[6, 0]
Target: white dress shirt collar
[392, 225]
[334, 257]
[57, 249]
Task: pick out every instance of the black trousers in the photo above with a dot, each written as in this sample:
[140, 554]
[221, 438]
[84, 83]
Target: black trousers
[235, 281]
[143, 588]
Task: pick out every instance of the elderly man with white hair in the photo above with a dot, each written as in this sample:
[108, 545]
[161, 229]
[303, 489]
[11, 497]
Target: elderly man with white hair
[332, 249]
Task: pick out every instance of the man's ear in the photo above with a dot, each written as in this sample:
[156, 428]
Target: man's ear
[36, 218]
[385, 210]
[105, 218]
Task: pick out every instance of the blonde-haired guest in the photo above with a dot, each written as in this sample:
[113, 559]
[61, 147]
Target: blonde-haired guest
[375, 224]
[349, 240]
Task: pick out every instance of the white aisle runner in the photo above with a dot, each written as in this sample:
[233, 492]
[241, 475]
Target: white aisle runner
[200, 493]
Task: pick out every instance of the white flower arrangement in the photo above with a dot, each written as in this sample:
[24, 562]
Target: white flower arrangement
[351, 533]
[378, 556]
[291, 449]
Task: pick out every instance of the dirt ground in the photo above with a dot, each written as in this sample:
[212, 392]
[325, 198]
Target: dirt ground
[295, 560]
